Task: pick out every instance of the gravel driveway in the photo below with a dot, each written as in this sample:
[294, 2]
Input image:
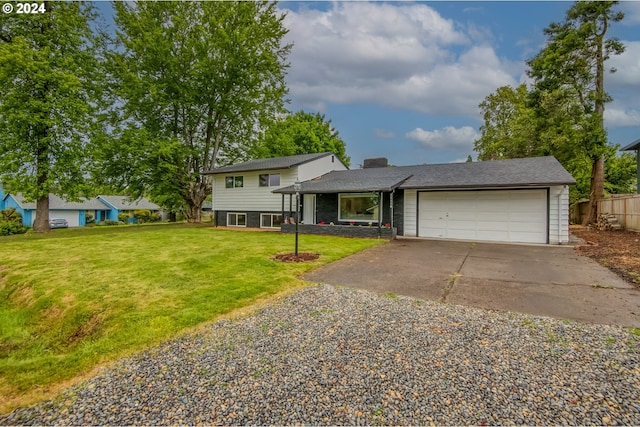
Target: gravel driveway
[331, 355]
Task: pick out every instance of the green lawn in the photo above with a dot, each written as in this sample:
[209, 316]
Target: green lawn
[74, 299]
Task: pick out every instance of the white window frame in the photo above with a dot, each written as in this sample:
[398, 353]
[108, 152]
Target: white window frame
[269, 179]
[353, 195]
[236, 214]
[271, 215]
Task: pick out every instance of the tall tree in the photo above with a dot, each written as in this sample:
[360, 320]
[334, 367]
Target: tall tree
[509, 129]
[48, 73]
[573, 63]
[301, 133]
[197, 82]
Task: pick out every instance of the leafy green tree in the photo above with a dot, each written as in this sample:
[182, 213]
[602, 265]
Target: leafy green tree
[509, 129]
[301, 133]
[196, 84]
[620, 172]
[572, 65]
[49, 75]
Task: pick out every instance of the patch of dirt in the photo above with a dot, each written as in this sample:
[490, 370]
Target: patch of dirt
[301, 257]
[619, 251]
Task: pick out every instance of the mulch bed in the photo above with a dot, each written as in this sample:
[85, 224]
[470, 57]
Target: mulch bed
[617, 250]
[301, 257]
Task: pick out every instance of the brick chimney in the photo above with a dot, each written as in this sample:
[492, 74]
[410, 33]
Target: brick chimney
[378, 162]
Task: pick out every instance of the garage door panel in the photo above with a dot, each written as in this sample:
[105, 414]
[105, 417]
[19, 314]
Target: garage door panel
[494, 215]
[70, 216]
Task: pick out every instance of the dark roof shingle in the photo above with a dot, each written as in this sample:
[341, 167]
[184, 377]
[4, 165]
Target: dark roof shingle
[536, 171]
[269, 164]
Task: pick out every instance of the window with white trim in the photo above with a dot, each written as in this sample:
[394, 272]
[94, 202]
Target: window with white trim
[269, 180]
[236, 219]
[233, 181]
[270, 220]
[358, 207]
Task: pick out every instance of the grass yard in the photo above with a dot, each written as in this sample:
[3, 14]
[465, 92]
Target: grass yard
[75, 299]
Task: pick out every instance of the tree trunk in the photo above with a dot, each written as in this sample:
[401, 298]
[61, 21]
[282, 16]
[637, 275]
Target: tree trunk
[597, 191]
[193, 214]
[41, 223]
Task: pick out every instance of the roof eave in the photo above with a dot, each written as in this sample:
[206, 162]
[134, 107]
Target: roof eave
[215, 172]
[537, 184]
[635, 145]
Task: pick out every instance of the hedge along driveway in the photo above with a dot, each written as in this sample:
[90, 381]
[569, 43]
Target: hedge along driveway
[72, 300]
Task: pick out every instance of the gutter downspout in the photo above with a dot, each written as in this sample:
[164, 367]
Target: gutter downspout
[213, 210]
[564, 187]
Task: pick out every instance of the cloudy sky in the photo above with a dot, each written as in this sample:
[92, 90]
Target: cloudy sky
[403, 80]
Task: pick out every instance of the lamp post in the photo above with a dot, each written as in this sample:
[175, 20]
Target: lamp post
[296, 187]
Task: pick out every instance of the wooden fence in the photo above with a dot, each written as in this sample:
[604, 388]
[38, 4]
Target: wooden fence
[625, 207]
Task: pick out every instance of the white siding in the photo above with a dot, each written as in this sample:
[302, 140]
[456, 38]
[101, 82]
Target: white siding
[250, 197]
[558, 194]
[319, 167]
[410, 212]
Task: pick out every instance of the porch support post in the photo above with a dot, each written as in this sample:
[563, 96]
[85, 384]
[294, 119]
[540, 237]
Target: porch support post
[290, 205]
[283, 217]
[380, 207]
[391, 208]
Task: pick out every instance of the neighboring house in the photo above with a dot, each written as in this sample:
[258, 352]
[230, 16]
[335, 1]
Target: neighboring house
[518, 200]
[242, 194]
[101, 207]
[123, 204]
[73, 212]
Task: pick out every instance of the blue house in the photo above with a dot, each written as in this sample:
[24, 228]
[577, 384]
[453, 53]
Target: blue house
[123, 204]
[101, 208]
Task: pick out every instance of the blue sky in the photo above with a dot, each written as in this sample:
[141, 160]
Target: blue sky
[403, 80]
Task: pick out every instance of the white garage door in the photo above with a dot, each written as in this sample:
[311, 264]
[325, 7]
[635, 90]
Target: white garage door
[500, 215]
[72, 217]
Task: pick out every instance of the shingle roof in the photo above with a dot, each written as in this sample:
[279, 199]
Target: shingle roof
[635, 145]
[125, 203]
[537, 171]
[57, 203]
[357, 180]
[496, 173]
[269, 164]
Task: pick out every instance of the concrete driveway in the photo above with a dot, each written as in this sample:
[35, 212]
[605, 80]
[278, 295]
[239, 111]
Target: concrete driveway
[550, 281]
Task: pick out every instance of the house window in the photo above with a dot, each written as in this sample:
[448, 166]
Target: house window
[269, 180]
[233, 181]
[359, 207]
[270, 220]
[236, 220]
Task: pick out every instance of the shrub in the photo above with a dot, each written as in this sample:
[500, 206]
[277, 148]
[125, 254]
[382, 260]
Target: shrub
[8, 228]
[88, 218]
[109, 222]
[123, 217]
[142, 215]
[155, 217]
[11, 215]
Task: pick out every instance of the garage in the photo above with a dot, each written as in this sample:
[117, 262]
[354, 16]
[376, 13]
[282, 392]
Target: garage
[514, 215]
[72, 217]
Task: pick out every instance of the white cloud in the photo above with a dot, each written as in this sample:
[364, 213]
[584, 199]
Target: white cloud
[627, 65]
[619, 118]
[446, 139]
[401, 55]
[384, 134]
[631, 10]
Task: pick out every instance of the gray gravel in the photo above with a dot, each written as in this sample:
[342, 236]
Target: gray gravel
[336, 356]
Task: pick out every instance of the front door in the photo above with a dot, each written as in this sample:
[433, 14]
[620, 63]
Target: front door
[309, 209]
